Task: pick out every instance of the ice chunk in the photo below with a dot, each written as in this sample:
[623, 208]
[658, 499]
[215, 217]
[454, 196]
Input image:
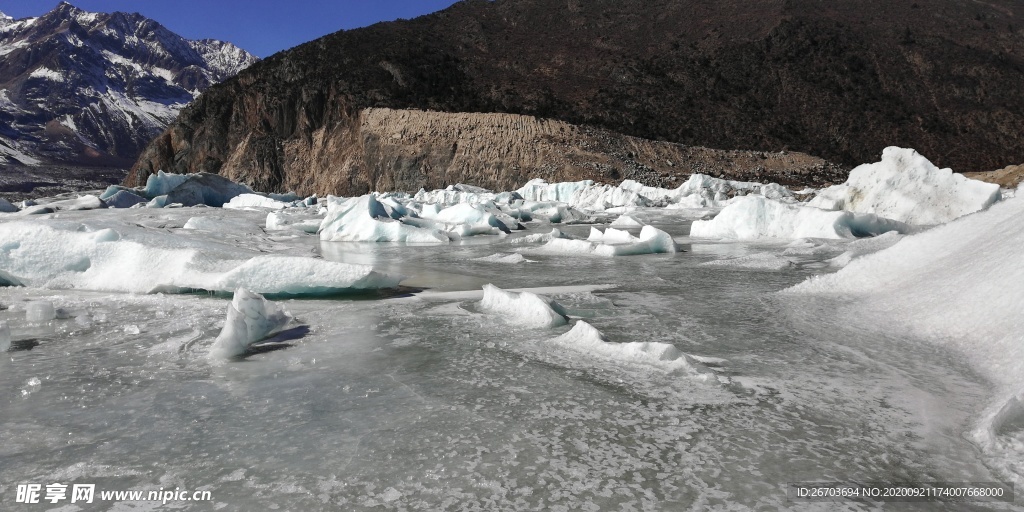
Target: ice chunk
[753, 262]
[6, 207]
[59, 255]
[251, 318]
[301, 220]
[5, 337]
[626, 221]
[906, 187]
[612, 236]
[512, 259]
[365, 219]
[204, 188]
[255, 201]
[584, 338]
[523, 308]
[287, 275]
[40, 311]
[652, 241]
[163, 183]
[753, 217]
[124, 199]
[473, 220]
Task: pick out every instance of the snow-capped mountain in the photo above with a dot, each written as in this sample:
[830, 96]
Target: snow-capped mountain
[94, 88]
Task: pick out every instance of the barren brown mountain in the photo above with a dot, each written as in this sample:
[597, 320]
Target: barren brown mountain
[840, 79]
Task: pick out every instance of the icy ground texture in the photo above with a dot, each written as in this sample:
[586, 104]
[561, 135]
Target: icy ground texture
[906, 187]
[960, 284]
[426, 402]
[251, 318]
[110, 254]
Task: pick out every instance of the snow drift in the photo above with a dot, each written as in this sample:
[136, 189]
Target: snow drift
[959, 284]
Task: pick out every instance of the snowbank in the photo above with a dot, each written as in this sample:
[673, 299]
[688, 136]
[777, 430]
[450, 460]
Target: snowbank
[753, 217]
[65, 255]
[251, 318]
[906, 187]
[959, 284]
[584, 338]
[523, 308]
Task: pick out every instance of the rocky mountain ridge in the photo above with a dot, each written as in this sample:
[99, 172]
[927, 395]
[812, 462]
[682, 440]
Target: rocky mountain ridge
[841, 79]
[86, 88]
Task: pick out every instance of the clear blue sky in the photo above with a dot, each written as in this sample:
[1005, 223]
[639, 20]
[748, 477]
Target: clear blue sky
[262, 27]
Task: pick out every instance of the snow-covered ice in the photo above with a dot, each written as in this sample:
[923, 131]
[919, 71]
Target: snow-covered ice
[651, 241]
[583, 337]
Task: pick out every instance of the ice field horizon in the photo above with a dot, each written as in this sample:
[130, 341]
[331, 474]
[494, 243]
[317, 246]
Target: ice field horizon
[562, 346]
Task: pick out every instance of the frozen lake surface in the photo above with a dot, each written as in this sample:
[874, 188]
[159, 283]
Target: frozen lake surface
[415, 399]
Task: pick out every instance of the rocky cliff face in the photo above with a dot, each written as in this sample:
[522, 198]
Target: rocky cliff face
[841, 79]
[386, 149]
[93, 89]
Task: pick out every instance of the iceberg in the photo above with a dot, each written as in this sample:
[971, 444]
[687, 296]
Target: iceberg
[906, 187]
[302, 221]
[626, 221]
[754, 217]
[523, 308]
[251, 318]
[191, 189]
[365, 219]
[292, 275]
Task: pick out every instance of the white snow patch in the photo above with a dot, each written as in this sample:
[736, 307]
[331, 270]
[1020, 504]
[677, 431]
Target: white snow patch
[962, 285]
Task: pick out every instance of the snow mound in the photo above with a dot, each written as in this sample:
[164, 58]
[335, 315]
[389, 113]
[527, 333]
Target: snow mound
[652, 241]
[64, 255]
[584, 338]
[251, 318]
[959, 284]
[753, 217]
[906, 187]
[523, 308]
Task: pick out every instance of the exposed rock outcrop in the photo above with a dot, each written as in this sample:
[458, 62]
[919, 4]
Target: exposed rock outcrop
[1008, 177]
[386, 149]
